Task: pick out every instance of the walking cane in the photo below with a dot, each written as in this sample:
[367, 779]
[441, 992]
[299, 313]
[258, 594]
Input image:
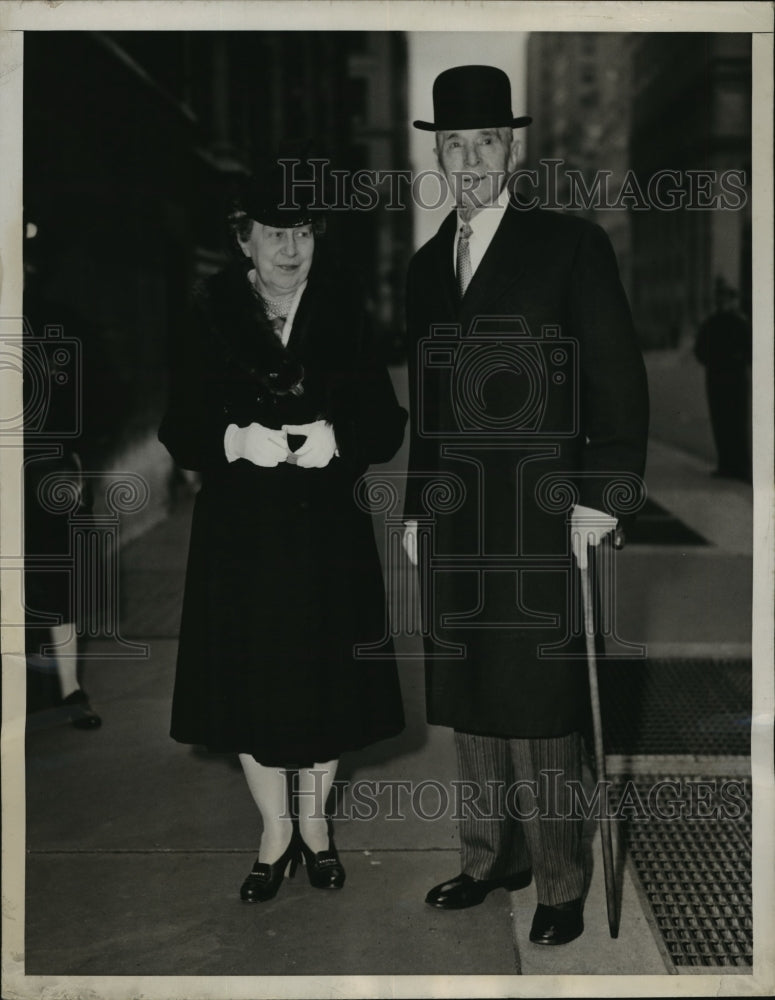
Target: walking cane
[587, 576]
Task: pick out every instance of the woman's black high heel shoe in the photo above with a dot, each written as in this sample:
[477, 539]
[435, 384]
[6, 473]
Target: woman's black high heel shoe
[80, 712]
[264, 880]
[324, 869]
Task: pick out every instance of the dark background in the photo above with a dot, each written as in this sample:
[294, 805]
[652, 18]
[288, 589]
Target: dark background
[134, 143]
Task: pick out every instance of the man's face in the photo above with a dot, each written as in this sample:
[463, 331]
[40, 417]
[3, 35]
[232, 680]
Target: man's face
[282, 257]
[476, 163]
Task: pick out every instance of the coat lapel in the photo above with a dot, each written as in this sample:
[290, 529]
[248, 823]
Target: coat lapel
[320, 313]
[502, 265]
[246, 335]
[300, 327]
[443, 264]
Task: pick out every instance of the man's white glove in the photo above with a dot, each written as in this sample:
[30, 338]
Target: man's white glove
[409, 541]
[258, 444]
[320, 446]
[588, 527]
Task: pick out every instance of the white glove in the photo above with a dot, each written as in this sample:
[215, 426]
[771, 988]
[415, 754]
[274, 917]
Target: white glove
[409, 541]
[320, 446]
[258, 444]
[588, 527]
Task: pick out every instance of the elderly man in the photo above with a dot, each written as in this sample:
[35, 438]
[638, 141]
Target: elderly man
[528, 404]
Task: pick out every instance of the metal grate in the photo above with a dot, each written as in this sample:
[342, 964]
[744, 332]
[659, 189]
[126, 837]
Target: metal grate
[695, 875]
[697, 706]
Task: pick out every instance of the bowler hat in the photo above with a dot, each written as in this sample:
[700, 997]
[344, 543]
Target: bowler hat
[283, 194]
[472, 97]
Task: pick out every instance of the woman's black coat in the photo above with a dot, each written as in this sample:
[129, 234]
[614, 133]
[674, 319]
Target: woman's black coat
[284, 576]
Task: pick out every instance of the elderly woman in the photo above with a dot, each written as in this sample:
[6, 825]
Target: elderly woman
[280, 405]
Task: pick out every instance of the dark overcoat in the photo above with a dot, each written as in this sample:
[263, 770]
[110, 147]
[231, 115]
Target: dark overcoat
[527, 395]
[283, 577]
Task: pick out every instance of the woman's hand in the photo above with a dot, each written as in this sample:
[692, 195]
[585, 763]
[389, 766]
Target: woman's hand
[320, 446]
[258, 444]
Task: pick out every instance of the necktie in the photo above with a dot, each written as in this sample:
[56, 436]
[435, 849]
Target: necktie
[463, 259]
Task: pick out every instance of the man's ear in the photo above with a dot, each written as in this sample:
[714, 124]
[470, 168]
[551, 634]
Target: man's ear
[243, 245]
[514, 151]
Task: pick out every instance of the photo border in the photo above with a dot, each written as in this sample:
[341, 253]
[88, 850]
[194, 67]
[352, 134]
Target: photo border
[756, 18]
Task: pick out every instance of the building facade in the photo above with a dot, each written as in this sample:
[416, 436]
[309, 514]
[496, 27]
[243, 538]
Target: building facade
[691, 115]
[579, 94]
[659, 128]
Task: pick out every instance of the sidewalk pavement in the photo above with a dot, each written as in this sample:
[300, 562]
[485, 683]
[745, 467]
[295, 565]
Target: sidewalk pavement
[137, 845]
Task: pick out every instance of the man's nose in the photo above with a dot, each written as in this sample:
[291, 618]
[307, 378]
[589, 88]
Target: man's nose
[290, 245]
[472, 156]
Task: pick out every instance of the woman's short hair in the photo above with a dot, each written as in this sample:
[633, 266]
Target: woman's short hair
[240, 223]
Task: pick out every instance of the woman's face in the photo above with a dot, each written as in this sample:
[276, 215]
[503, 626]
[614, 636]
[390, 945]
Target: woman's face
[282, 257]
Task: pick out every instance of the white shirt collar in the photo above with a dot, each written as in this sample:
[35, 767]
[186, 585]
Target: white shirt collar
[483, 226]
[488, 219]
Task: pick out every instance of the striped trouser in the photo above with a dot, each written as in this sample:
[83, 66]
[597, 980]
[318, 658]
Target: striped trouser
[514, 814]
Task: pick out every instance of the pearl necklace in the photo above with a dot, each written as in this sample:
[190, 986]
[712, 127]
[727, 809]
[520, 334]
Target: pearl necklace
[276, 308]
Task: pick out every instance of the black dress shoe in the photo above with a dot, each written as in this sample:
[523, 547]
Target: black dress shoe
[557, 924]
[324, 869]
[463, 890]
[264, 880]
[80, 712]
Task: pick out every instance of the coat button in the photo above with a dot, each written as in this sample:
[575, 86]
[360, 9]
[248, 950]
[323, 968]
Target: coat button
[304, 505]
